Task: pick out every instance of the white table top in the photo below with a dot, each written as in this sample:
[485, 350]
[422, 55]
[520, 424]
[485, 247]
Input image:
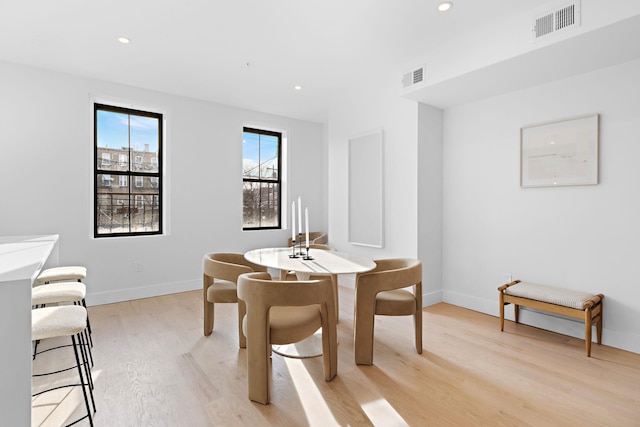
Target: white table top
[323, 262]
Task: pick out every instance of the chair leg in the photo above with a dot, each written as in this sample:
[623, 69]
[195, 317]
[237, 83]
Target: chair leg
[417, 320]
[82, 383]
[334, 282]
[242, 310]
[208, 317]
[363, 332]
[329, 351]
[85, 350]
[258, 363]
[84, 304]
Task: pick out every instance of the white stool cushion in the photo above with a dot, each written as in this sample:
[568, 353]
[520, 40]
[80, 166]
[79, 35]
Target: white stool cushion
[59, 321]
[58, 292]
[58, 274]
[550, 294]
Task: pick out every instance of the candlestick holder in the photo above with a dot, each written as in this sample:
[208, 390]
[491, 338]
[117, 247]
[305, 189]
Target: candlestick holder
[300, 244]
[307, 257]
[293, 249]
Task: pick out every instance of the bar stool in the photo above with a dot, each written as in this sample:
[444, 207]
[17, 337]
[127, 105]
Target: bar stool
[57, 293]
[65, 321]
[62, 274]
[65, 274]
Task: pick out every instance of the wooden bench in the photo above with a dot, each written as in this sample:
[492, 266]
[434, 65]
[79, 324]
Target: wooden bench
[576, 304]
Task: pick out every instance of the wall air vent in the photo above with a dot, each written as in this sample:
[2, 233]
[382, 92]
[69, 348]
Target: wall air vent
[413, 77]
[561, 18]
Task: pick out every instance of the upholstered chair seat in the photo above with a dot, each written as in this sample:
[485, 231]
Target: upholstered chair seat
[222, 291]
[395, 303]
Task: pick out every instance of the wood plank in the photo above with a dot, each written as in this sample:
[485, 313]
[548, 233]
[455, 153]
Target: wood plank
[154, 367]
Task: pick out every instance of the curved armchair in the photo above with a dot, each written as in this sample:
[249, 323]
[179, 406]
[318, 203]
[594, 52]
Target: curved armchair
[284, 312]
[315, 237]
[220, 275]
[291, 275]
[379, 291]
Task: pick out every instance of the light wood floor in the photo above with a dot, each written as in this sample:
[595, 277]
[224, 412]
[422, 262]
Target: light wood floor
[153, 367]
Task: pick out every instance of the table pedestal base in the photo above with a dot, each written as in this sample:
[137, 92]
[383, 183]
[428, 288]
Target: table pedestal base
[307, 348]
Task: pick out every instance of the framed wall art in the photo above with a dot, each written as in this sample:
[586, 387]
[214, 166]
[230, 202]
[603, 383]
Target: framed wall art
[560, 153]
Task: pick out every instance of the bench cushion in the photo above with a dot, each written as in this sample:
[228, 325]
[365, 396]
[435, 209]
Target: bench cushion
[550, 294]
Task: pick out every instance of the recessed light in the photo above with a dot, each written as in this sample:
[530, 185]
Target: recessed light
[445, 6]
[124, 40]
[297, 87]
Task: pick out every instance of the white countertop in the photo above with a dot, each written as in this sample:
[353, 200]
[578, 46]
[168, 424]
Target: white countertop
[22, 257]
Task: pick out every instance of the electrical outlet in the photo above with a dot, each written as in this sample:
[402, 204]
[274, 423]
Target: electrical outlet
[506, 278]
[137, 266]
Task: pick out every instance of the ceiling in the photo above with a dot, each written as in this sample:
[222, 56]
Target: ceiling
[245, 53]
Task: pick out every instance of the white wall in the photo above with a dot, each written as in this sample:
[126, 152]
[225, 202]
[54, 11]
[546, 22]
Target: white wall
[430, 138]
[376, 107]
[46, 180]
[577, 237]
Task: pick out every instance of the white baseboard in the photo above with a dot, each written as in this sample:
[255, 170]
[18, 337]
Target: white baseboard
[431, 298]
[120, 295]
[623, 340]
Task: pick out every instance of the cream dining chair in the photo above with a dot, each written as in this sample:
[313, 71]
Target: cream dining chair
[220, 275]
[380, 291]
[284, 312]
[291, 275]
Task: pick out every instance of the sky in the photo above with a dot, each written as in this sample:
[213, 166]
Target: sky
[113, 131]
[257, 148]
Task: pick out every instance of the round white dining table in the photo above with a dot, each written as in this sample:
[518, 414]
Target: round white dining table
[322, 261]
[318, 262]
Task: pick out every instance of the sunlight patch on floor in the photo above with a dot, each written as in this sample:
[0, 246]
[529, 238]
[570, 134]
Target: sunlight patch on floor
[381, 413]
[315, 408]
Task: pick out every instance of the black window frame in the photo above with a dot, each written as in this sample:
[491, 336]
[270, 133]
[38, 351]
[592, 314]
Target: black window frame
[278, 181]
[131, 173]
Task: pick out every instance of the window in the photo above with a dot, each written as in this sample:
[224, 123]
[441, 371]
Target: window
[261, 153]
[120, 210]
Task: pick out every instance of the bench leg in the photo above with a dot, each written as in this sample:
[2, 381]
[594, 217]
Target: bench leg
[587, 330]
[516, 312]
[599, 325]
[501, 311]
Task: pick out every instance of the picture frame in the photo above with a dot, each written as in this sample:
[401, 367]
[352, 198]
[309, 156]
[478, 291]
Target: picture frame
[366, 189]
[560, 153]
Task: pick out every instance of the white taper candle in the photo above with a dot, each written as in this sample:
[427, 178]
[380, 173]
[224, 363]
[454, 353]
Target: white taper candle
[306, 223]
[293, 221]
[299, 215]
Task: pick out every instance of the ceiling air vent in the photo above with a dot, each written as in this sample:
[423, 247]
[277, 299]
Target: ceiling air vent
[413, 77]
[563, 17]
